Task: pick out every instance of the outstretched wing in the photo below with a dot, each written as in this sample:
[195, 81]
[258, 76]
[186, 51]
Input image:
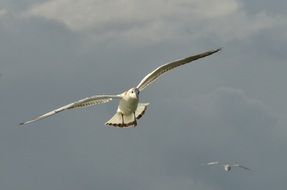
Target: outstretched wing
[240, 166]
[151, 77]
[89, 101]
[213, 163]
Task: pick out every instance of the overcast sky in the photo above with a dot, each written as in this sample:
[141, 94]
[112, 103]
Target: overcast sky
[229, 107]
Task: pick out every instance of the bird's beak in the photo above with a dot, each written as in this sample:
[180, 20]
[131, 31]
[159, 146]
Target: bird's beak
[137, 92]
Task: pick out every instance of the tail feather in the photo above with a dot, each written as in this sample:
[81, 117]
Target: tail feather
[120, 120]
[141, 110]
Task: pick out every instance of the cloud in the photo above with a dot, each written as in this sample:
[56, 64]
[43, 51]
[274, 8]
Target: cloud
[164, 20]
[47, 63]
[235, 109]
[166, 182]
[226, 113]
[3, 12]
[224, 125]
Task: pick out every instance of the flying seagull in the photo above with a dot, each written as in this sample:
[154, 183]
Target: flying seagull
[129, 109]
[227, 167]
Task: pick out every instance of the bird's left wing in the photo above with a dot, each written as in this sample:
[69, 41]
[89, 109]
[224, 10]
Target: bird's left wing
[151, 77]
[89, 101]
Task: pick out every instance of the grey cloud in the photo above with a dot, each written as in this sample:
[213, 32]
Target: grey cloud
[225, 125]
[191, 119]
[15, 6]
[270, 7]
[181, 20]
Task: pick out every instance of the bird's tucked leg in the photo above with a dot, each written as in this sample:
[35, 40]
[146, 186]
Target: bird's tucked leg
[123, 122]
[135, 120]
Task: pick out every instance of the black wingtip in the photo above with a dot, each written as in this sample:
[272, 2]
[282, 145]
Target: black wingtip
[214, 51]
[21, 123]
[219, 49]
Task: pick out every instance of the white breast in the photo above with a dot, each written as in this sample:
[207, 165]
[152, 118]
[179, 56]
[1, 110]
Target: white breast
[128, 106]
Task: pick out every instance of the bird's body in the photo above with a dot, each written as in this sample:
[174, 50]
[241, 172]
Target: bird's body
[129, 102]
[227, 167]
[129, 108]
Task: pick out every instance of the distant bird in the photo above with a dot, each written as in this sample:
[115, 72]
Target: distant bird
[129, 109]
[227, 167]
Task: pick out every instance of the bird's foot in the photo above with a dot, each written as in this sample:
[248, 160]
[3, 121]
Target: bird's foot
[135, 123]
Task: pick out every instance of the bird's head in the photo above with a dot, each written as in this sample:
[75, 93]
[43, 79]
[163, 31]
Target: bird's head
[133, 93]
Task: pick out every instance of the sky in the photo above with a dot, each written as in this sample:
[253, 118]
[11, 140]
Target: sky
[228, 107]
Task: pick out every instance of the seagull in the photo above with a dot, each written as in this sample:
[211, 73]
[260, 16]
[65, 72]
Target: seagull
[227, 167]
[129, 109]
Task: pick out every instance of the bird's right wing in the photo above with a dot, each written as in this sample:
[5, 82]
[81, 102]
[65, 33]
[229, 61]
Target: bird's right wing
[240, 166]
[89, 101]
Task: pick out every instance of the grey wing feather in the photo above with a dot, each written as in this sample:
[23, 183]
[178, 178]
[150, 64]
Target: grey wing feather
[151, 77]
[237, 165]
[89, 101]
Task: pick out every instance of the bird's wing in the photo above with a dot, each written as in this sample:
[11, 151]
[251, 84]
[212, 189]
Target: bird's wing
[213, 163]
[89, 101]
[151, 77]
[240, 166]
